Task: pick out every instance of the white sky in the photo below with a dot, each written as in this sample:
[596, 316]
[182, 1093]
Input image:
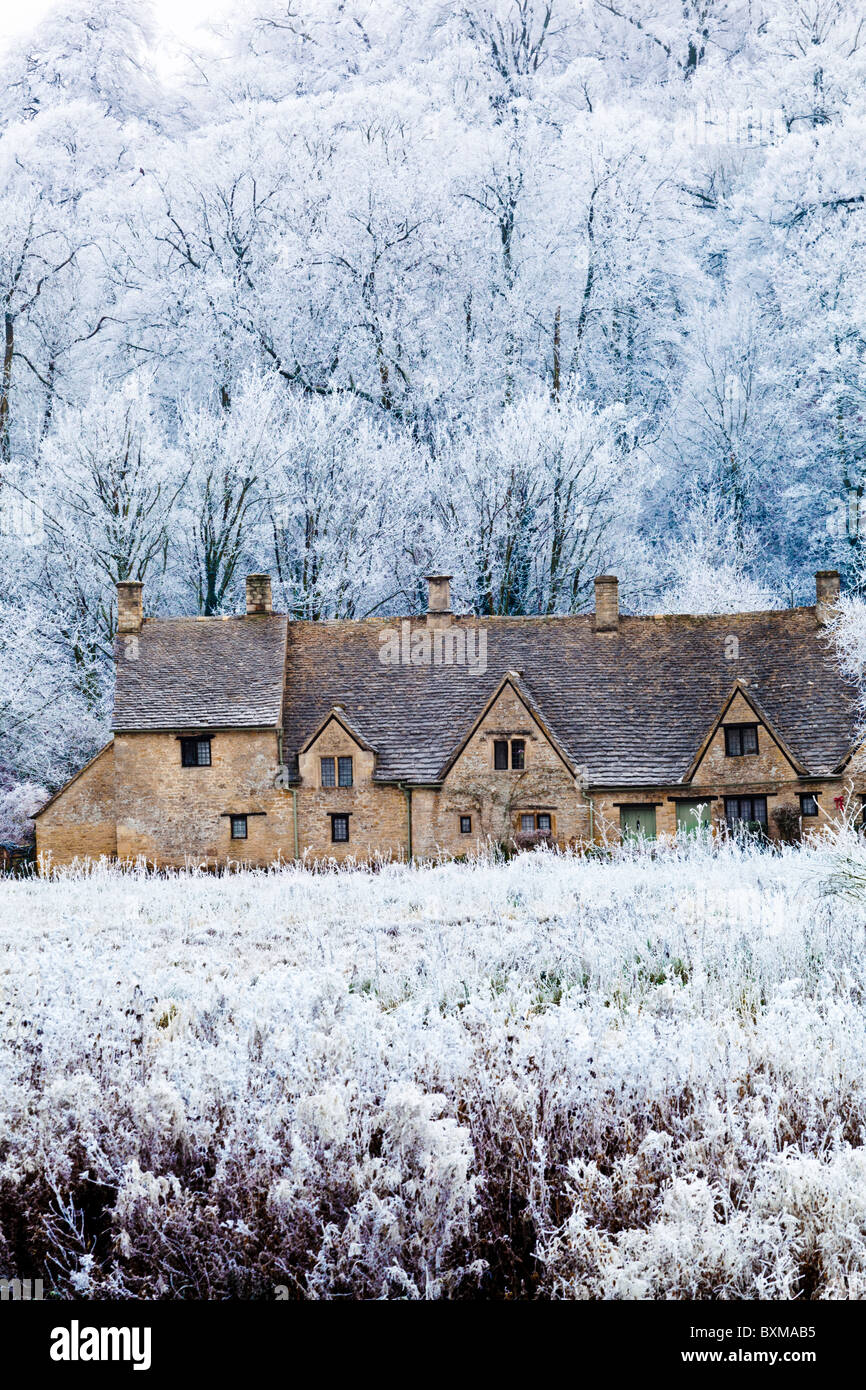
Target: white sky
[178, 18]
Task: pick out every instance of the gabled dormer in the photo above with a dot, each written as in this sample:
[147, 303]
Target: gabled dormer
[509, 734]
[742, 746]
[336, 756]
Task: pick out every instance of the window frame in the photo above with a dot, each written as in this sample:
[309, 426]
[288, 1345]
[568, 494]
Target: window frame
[813, 797]
[465, 823]
[734, 734]
[190, 749]
[739, 820]
[339, 816]
[341, 761]
[536, 828]
[331, 763]
[238, 820]
[509, 755]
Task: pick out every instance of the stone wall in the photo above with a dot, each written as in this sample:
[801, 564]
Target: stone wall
[378, 822]
[769, 772]
[606, 812]
[172, 815]
[137, 800]
[494, 799]
[80, 824]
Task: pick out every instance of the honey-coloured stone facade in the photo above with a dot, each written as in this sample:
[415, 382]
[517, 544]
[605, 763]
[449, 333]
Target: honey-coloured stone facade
[80, 822]
[496, 800]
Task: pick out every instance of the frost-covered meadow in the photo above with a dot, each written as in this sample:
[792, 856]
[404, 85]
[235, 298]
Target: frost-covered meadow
[548, 1078]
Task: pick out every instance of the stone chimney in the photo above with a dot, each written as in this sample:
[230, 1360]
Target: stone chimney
[438, 600]
[129, 606]
[606, 603]
[826, 595]
[259, 598]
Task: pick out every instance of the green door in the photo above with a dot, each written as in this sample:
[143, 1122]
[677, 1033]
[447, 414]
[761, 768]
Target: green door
[691, 815]
[637, 822]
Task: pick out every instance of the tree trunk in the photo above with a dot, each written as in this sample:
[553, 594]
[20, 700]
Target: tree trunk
[6, 387]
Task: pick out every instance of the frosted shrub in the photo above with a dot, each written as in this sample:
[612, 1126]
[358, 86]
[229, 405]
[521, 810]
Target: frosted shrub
[17, 805]
[643, 1077]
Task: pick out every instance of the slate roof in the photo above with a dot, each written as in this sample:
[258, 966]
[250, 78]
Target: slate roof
[201, 673]
[632, 707]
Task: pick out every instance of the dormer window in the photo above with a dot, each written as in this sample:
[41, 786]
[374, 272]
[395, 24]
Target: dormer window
[741, 740]
[509, 752]
[195, 752]
[336, 772]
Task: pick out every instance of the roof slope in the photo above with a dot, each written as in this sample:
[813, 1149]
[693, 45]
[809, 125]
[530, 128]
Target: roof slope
[201, 673]
[631, 706]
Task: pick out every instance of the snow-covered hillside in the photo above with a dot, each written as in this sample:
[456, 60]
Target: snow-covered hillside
[550, 1077]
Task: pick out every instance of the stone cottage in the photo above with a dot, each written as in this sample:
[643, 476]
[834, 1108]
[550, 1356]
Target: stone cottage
[252, 739]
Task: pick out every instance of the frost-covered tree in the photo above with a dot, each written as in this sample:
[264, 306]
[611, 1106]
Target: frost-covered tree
[495, 286]
[531, 511]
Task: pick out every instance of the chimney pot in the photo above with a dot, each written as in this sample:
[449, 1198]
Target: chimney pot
[606, 603]
[438, 600]
[826, 595]
[259, 597]
[129, 605]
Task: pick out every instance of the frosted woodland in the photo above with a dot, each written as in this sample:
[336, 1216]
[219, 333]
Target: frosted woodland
[549, 1078]
[524, 290]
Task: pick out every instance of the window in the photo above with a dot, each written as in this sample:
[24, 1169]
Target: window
[746, 810]
[808, 804]
[344, 772]
[340, 829]
[465, 825]
[741, 739]
[239, 827]
[518, 754]
[195, 752]
[530, 823]
[328, 779]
